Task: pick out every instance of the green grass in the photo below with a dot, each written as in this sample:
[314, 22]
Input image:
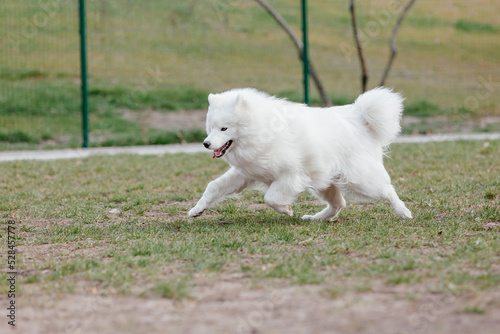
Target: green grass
[20, 137]
[474, 310]
[475, 27]
[152, 249]
[173, 290]
[174, 98]
[170, 54]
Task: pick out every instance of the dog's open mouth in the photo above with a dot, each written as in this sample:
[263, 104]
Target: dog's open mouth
[218, 153]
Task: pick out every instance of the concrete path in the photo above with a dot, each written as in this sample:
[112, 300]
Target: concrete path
[79, 153]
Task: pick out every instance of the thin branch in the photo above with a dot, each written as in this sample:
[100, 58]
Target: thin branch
[300, 48]
[364, 72]
[281, 22]
[393, 41]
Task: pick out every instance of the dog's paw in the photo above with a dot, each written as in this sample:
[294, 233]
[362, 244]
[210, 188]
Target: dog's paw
[195, 212]
[313, 217]
[320, 217]
[288, 211]
[285, 209]
[404, 213]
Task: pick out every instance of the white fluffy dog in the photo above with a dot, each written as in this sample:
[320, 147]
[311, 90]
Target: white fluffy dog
[290, 147]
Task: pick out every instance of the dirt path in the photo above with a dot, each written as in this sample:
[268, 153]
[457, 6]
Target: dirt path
[174, 120]
[195, 119]
[198, 148]
[230, 306]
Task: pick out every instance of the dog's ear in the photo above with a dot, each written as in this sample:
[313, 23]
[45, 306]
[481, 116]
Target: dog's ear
[211, 98]
[241, 103]
[241, 108]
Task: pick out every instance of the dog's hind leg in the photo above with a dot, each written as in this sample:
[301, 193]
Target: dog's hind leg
[231, 182]
[381, 188]
[375, 183]
[397, 204]
[335, 202]
[280, 196]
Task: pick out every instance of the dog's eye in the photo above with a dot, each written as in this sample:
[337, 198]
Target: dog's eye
[223, 129]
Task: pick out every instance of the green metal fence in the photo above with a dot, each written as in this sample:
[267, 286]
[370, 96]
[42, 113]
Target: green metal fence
[83, 72]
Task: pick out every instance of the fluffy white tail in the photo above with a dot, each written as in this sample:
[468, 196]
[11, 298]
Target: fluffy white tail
[381, 110]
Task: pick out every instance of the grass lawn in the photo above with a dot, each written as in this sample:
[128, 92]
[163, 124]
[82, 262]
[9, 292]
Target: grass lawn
[69, 243]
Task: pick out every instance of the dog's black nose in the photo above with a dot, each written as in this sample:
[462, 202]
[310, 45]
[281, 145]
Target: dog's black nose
[206, 144]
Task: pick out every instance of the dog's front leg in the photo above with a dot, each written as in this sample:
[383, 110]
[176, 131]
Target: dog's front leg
[227, 184]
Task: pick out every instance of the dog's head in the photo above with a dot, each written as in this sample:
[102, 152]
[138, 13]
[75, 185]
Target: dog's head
[226, 111]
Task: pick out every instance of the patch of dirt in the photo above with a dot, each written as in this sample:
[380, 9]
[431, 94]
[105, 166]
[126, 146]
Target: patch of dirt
[86, 248]
[195, 119]
[445, 124]
[168, 121]
[492, 226]
[231, 306]
[44, 223]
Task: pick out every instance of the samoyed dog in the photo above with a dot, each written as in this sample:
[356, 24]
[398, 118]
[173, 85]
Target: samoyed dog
[286, 148]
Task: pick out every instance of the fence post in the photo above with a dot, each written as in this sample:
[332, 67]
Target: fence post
[83, 66]
[305, 58]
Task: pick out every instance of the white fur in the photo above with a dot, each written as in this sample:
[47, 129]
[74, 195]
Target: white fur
[290, 147]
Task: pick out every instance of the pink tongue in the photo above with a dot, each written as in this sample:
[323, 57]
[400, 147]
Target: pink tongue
[218, 152]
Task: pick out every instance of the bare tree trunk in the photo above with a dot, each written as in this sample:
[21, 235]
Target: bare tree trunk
[364, 72]
[393, 41]
[300, 48]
